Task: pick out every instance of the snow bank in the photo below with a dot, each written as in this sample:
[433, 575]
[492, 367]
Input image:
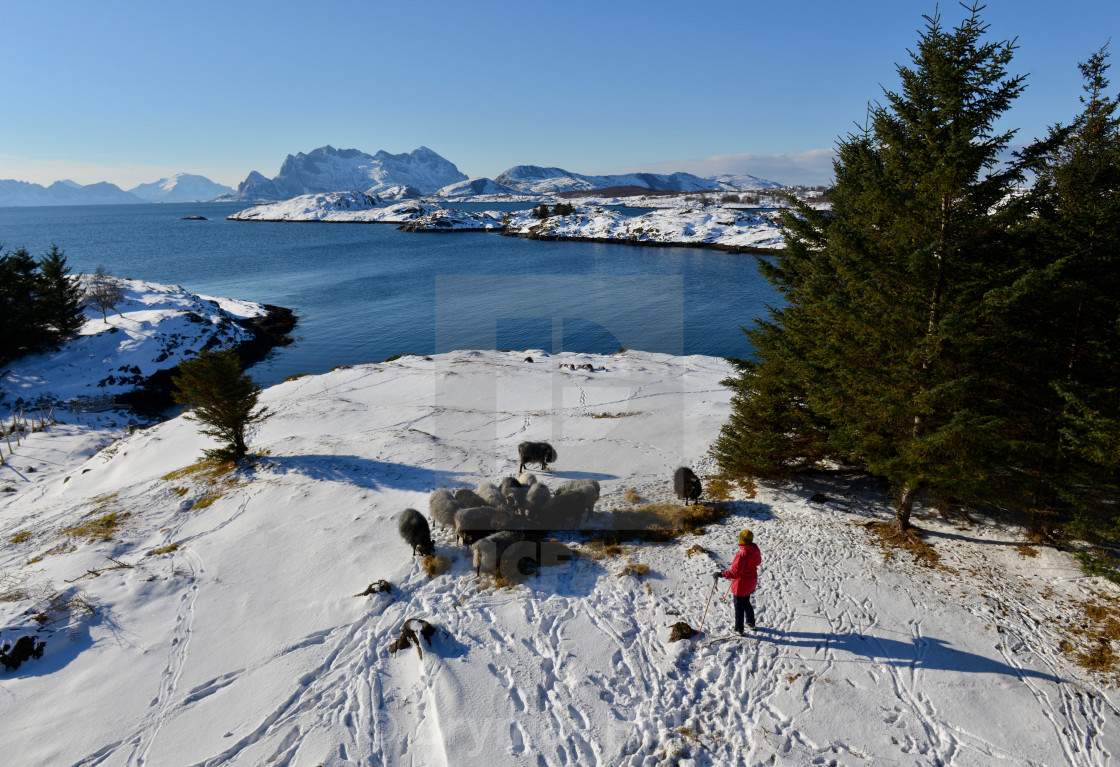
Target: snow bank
[335, 207]
[218, 621]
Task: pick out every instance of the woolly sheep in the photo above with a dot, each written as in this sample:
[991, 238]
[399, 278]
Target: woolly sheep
[469, 499]
[488, 551]
[687, 484]
[588, 489]
[527, 478]
[531, 452]
[415, 531]
[491, 496]
[563, 510]
[442, 507]
[473, 524]
[513, 492]
[536, 498]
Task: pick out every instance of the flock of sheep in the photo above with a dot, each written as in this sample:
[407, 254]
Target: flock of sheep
[491, 518]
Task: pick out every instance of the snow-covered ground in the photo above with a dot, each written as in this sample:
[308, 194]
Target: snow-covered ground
[151, 329]
[708, 225]
[218, 623]
[336, 207]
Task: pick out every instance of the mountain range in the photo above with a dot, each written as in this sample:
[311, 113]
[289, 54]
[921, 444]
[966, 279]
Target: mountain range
[420, 172]
[181, 187]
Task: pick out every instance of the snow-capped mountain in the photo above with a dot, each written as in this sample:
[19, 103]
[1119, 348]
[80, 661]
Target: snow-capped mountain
[24, 193]
[533, 179]
[182, 187]
[742, 181]
[475, 186]
[327, 169]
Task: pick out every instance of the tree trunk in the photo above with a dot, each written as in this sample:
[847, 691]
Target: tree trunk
[905, 506]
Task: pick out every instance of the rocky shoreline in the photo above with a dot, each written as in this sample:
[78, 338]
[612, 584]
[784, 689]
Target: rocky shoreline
[153, 397]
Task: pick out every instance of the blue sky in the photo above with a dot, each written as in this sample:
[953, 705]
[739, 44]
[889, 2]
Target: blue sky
[129, 92]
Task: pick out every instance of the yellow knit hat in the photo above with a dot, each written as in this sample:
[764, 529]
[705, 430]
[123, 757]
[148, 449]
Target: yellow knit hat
[746, 537]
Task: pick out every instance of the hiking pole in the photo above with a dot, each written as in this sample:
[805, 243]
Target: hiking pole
[724, 597]
[713, 591]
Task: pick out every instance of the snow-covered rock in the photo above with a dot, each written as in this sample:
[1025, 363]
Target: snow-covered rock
[327, 169]
[533, 179]
[450, 220]
[153, 328]
[22, 193]
[742, 182]
[475, 187]
[336, 207]
[711, 225]
[181, 187]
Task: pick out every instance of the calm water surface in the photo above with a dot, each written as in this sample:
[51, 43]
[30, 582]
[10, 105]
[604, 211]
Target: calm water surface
[364, 292]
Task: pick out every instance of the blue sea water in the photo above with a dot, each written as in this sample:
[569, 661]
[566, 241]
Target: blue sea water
[363, 292]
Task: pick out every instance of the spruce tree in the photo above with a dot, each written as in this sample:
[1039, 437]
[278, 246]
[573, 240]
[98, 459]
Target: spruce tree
[20, 328]
[60, 296]
[1066, 314]
[222, 398]
[879, 357]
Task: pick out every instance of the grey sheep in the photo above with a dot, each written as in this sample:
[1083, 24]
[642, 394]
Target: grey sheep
[588, 489]
[469, 499]
[563, 511]
[536, 497]
[487, 552]
[513, 492]
[474, 523]
[527, 478]
[531, 452]
[442, 507]
[415, 531]
[491, 496]
[687, 484]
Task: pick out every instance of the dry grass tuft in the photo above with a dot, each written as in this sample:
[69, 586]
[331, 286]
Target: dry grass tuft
[434, 565]
[163, 550]
[634, 569]
[696, 548]
[1026, 550]
[1096, 633]
[97, 528]
[632, 496]
[892, 538]
[20, 537]
[603, 548]
[719, 488]
[658, 522]
[206, 469]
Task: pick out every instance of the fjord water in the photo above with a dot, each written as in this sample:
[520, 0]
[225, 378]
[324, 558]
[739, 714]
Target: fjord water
[363, 292]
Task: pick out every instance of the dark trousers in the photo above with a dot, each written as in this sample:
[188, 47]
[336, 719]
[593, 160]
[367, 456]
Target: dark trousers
[743, 607]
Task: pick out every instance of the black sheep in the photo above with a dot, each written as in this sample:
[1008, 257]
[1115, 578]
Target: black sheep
[531, 452]
[687, 484]
[415, 531]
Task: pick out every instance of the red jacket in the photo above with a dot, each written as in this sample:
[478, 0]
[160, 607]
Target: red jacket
[744, 570]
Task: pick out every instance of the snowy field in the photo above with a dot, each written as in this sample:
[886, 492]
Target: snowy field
[212, 617]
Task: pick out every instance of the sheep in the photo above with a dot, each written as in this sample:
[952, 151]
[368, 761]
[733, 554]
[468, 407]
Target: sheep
[442, 507]
[416, 533]
[488, 551]
[531, 452]
[491, 496]
[536, 497]
[474, 523]
[527, 478]
[588, 489]
[513, 492]
[687, 484]
[563, 510]
[469, 499]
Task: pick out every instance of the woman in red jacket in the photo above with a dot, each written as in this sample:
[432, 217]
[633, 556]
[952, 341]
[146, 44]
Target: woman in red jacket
[744, 579]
